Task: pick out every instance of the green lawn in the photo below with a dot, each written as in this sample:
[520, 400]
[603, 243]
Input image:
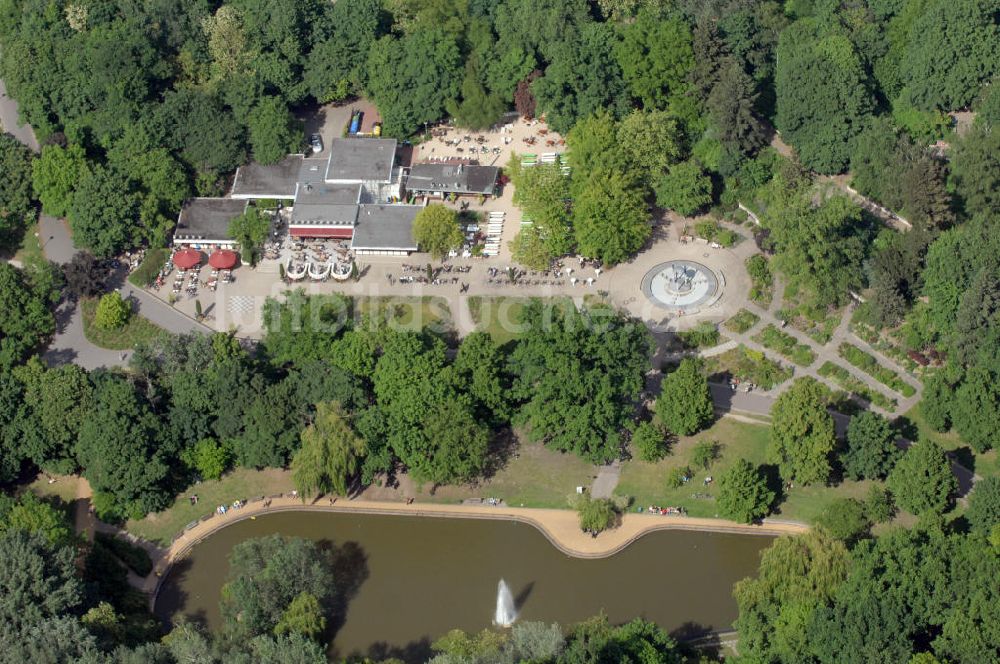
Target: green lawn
[138, 329]
[408, 313]
[646, 482]
[64, 488]
[502, 317]
[240, 484]
[537, 477]
[30, 247]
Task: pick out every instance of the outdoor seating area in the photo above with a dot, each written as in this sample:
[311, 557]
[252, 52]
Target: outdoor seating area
[319, 259]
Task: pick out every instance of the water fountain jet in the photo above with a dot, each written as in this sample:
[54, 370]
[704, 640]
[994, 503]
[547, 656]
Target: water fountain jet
[506, 613]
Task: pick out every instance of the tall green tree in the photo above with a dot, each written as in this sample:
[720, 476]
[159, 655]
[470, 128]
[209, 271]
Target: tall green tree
[922, 481]
[797, 576]
[56, 403]
[250, 230]
[267, 575]
[582, 78]
[436, 230]
[975, 171]
[984, 505]
[273, 131]
[685, 189]
[802, 433]
[576, 377]
[104, 212]
[743, 493]
[413, 78]
[330, 455]
[656, 57]
[685, 402]
[119, 450]
[25, 319]
[610, 219]
[871, 450]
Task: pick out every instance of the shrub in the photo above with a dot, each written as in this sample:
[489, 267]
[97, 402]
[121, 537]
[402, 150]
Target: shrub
[785, 344]
[844, 518]
[112, 312]
[677, 476]
[741, 322]
[704, 453]
[870, 366]
[595, 514]
[703, 335]
[650, 441]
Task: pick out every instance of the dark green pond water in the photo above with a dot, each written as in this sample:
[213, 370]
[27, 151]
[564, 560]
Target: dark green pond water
[428, 575]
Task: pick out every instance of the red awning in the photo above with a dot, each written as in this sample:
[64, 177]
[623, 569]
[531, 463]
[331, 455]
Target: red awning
[342, 232]
[223, 259]
[187, 258]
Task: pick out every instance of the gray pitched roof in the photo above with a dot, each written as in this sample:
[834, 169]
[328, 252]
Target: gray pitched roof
[457, 178]
[278, 180]
[207, 218]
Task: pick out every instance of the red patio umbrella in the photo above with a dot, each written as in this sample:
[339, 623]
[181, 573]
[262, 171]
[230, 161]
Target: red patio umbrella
[222, 259]
[187, 258]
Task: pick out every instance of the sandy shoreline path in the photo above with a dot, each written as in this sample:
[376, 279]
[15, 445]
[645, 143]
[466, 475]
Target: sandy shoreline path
[560, 527]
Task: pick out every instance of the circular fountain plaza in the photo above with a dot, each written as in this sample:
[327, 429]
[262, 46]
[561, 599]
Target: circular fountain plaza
[682, 286]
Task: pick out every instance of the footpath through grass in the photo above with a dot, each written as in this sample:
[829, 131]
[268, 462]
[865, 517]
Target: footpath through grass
[136, 330]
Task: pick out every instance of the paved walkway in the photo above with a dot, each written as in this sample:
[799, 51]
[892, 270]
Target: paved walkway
[9, 118]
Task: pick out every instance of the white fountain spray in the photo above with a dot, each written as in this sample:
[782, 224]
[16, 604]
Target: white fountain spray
[506, 613]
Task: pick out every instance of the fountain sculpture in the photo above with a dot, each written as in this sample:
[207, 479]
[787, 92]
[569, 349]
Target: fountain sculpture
[505, 614]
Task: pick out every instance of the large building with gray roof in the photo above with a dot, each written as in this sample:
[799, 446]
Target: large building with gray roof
[352, 194]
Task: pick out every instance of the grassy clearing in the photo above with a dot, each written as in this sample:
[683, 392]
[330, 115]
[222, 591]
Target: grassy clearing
[242, 483]
[503, 317]
[30, 248]
[741, 322]
[845, 380]
[747, 364]
[870, 366]
[136, 330]
[65, 487]
[408, 313]
[536, 477]
[647, 482]
[785, 344]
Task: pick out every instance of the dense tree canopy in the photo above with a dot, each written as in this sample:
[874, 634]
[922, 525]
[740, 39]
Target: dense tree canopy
[802, 432]
[16, 210]
[577, 375]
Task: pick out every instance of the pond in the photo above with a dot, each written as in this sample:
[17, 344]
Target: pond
[425, 576]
